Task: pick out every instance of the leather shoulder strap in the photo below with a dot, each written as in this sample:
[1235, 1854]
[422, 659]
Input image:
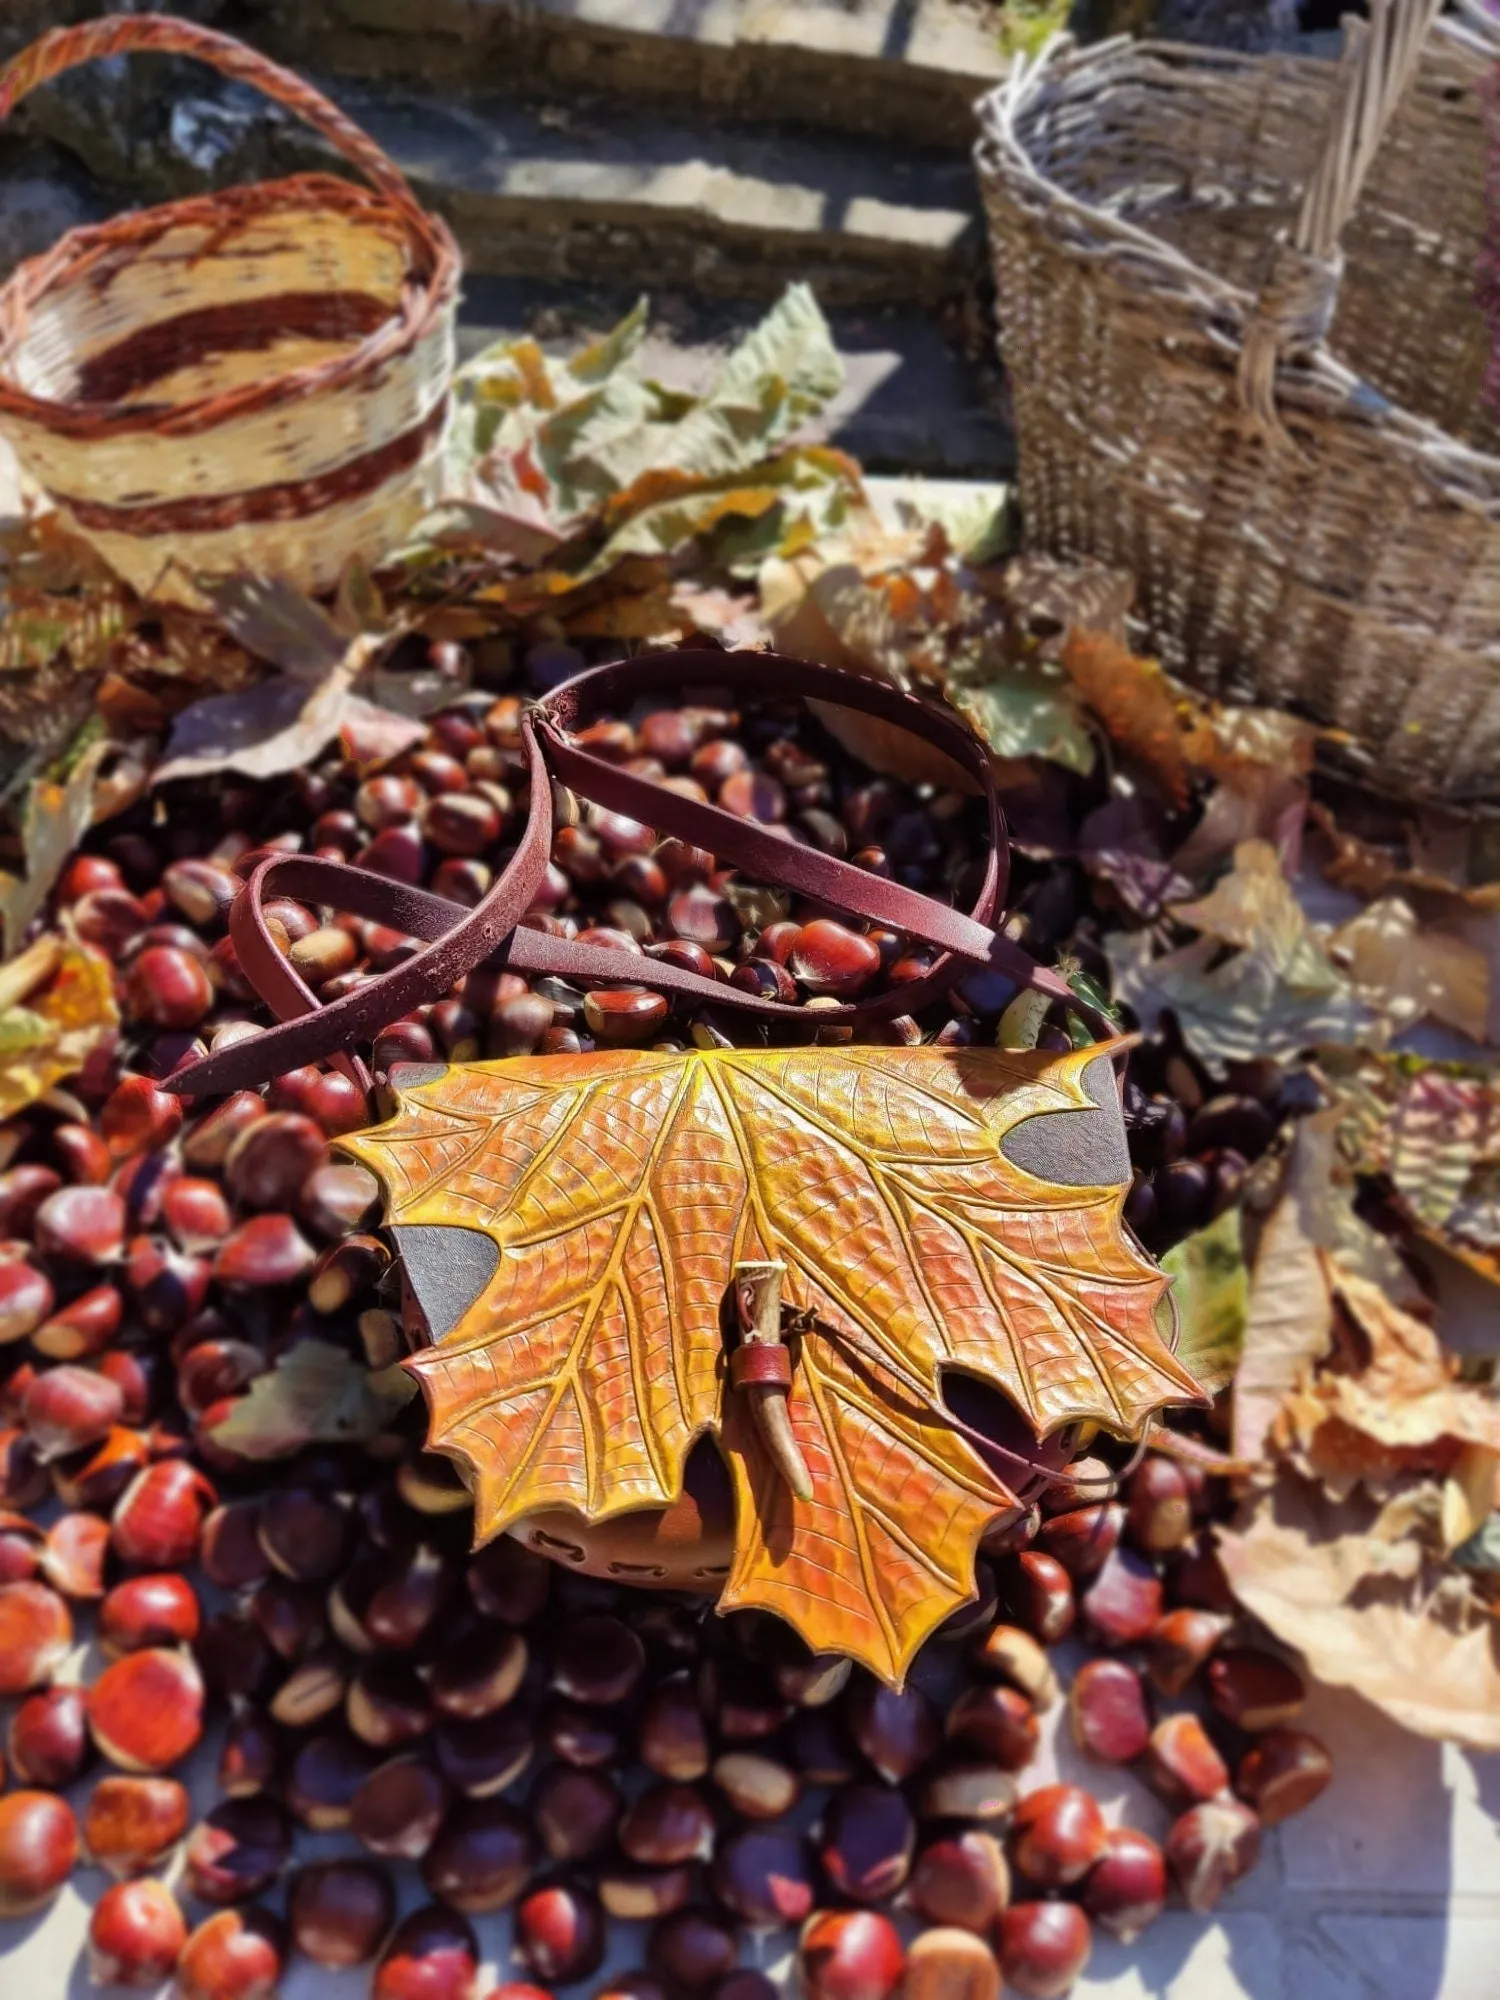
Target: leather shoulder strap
[456, 939]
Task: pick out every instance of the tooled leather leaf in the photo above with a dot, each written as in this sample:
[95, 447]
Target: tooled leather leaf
[622, 1188]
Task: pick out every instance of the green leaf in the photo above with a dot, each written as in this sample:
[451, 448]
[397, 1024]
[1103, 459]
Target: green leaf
[316, 1394]
[1211, 1288]
[1031, 711]
[782, 373]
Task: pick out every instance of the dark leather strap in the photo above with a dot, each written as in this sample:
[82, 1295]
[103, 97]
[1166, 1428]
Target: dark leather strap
[456, 939]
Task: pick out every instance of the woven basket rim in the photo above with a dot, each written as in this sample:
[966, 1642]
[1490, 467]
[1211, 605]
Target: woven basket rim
[426, 297]
[1319, 382]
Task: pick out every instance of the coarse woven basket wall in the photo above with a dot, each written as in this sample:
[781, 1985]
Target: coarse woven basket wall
[1237, 310]
[250, 380]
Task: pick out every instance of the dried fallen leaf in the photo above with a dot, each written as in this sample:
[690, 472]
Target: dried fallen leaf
[1289, 1319]
[1406, 1395]
[1439, 1127]
[1333, 1580]
[1278, 994]
[1407, 972]
[51, 1023]
[1133, 699]
[619, 1191]
[316, 1394]
[54, 821]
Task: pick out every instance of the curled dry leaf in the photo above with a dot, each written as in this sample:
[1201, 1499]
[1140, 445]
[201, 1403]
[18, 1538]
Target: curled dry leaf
[1277, 994]
[621, 1189]
[1289, 1318]
[1406, 1396]
[316, 1394]
[1133, 698]
[1350, 1586]
[1407, 972]
[57, 814]
[58, 1005]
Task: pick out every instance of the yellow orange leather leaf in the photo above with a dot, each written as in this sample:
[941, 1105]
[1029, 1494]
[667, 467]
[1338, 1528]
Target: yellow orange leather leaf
[620, 1190]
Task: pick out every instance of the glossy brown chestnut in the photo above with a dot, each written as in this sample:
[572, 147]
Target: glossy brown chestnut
[672, 1738]
[691, 1951]
[850, 1955]
[597, 1660]
[634, 1893]
[158, 1519]
[1107, 1711]
[482, 1859]
[237, 1850]
[559, 1933]
[38, 1847]
[136, 1934]
[961, 1879]
[950, 1965]
[509, 1581]
[896, 1730]
[762, 1875]
[1126, 1889]
[1082, 1538]
[1210, 1847]
[1043, 1947]
[131, 1825]
[484, 1757]
[325, 1777]
[1036, 1593]
[250, 1758]
[478, 1674]
[146, 1710]
[1281, 1773]
[1013, 1655]
[667, 1824]
[36, 1631]
[756, 1787]
[431, 1955]
[1183, 1764]
[1179, 1643]
[1057, 1834]
[160, 1610]
[575, 1812]
[233, 1955]
[867, 1841]
[398, 1809]
[998, 1722]
[48, 1739]
[340, 1911]
[1123, 1601]
[1253, 1689]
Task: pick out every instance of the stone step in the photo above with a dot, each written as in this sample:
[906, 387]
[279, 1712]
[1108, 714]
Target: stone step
[906, 70]
[595, 195]
[913, 401]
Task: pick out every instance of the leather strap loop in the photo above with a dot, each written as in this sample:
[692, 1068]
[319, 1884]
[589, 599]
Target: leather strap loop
[456, 939]
[761, 1363]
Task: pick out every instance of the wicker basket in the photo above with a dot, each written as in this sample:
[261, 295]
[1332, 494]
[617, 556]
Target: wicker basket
[1281, 438]
[255, 379]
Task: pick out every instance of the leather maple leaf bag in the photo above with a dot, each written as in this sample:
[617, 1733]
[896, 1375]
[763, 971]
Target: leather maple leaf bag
[887, 1283]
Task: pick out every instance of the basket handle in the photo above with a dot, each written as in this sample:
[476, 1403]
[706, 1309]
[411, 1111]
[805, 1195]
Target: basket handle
[162, 34]
[1296, 305]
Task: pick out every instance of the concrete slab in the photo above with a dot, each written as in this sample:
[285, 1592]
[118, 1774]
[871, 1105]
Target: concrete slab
[596, 194]
[907, 70]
